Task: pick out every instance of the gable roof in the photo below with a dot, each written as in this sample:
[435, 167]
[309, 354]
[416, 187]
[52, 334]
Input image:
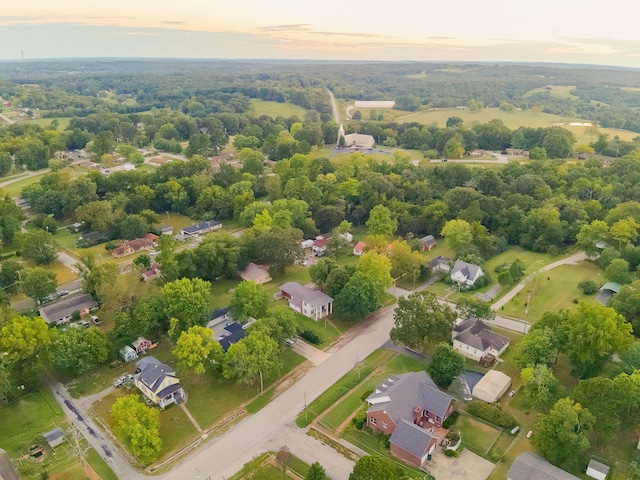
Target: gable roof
[236, 333]
[152, 372]
[254, 272]
[320, 241]
[92, 236]
[53, 435]
[529, 466]
[56, 311]
[477, 334]
[299, 293]
[469, 270]
[438, 261]
[360, 245]
[7, 471]
[399, 395]
[219, 312]
[411, 438]
[429, 241]
[198, 227]
[598, 467]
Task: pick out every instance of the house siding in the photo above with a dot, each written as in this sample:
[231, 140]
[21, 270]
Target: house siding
[383, 422]
[467, 350]
[410, 458]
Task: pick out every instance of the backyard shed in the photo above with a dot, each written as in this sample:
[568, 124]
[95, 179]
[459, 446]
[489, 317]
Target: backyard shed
[54, 437]
[128, 354]
[597, 470]
[492, 386]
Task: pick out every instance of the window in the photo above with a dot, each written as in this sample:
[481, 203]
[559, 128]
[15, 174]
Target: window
[384, 425]
[372, 420]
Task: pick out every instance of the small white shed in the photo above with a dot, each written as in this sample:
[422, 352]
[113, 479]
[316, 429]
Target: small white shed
[597, 470]
[128, 354]
[492, 386]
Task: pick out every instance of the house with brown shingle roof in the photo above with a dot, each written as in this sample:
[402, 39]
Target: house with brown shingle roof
[474, 339]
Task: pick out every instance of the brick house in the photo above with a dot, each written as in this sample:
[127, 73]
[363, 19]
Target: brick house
[411, 405]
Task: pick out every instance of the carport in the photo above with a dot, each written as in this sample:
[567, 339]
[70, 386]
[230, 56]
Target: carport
[607, 291]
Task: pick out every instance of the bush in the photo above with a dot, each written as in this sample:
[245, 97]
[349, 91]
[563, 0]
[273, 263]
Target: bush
[492, 413]
[359, 419]
[451, 419]
[501, 268]
[588, 287]
[366, 394]
[311, 337]
[452, 453]
[505, 278]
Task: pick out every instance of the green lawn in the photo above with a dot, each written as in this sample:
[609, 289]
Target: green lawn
[533, 260]
[259, 469]
[477, 436]
[513, 120]
[275, 109]
[553, 290]
[176, 220]
[45, 122]
[343, 386]
[100, 466]
[15, 188]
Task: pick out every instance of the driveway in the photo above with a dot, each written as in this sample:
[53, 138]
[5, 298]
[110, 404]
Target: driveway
[468, 466]
[311, 353]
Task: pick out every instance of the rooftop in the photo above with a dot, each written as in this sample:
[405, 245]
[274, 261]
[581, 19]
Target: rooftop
[529, 466]
[477, 334]
[412, 438]
[63, 308]
[298, 292]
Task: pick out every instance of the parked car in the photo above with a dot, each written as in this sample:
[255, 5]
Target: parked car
[122, 379]
[62, 293]
[84, 323]
[290, 342]
[95, 320]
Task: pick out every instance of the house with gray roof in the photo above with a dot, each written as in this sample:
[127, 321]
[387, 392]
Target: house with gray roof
[440, 264]
[474, 339]
[54, 437]
[529, 466]
[60, 312]
[410, 396]
[597, 470]
[307, 301]
[201, 228]
[7, 472]
[158, 382]
[412, 444]
[465, 273]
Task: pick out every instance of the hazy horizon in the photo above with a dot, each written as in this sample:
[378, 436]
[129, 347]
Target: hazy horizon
[491, 31]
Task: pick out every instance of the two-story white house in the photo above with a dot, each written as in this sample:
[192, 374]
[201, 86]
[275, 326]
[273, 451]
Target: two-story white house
[474, 339]
[310, 303]
[465, 273]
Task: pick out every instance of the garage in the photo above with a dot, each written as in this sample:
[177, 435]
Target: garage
[492, 386]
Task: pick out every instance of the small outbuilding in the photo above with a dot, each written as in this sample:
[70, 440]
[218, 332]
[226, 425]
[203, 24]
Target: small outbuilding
[256, 273]
[607, 291]
[597, 470]
[428, 243]
[128, 354]
[492, 386]
[54, 437]
[358, 248]
[141, 345]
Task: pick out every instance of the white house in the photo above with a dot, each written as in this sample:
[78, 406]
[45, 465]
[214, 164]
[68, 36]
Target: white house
[474, 339]
[465, 273]
[310, 303]
[319, 246]
[347, 237]
[128, 354]
[440, 264]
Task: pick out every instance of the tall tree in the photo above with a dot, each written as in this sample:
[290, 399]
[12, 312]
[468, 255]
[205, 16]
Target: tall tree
[280, 324]
[378, 268]
[542, 387]
[458, 235]
[249, 300]
[595, 332]
[77, 350]
[39, 246]
[561, 435]
[404, 261]
[375, 467]
[445, 365]
[316, 472]
[536, 347]
[474, 307]
[196, 349]
[381, 221]
[357, 299]
[38, 283]
[138, 426]
[186, 303]
[251, 359]
[419, 318]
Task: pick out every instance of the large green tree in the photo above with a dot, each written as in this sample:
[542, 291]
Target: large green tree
[197, 350]
[252, 359]
[458, 235]
[595, 332]
[138, 426]
[541, 386]
[186, 303]
[536, 347]
[419, 318]
[561, 435]
[78, 350]
[375, 468]
[280, 324]
[381, 221]
[445, 365]
[357, 299]
[249, 299]
[39, 246]
[38, 283]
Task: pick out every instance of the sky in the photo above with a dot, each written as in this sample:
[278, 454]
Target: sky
[570, 31]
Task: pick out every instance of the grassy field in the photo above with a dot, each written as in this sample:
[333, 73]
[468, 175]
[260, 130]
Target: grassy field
[15, 188]
[176, 220]
[513, 120]
[45, 122]
[264, 467]
[22, 424]
[275, 109]
[553, 290]
[477, 436]
[533, 260]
